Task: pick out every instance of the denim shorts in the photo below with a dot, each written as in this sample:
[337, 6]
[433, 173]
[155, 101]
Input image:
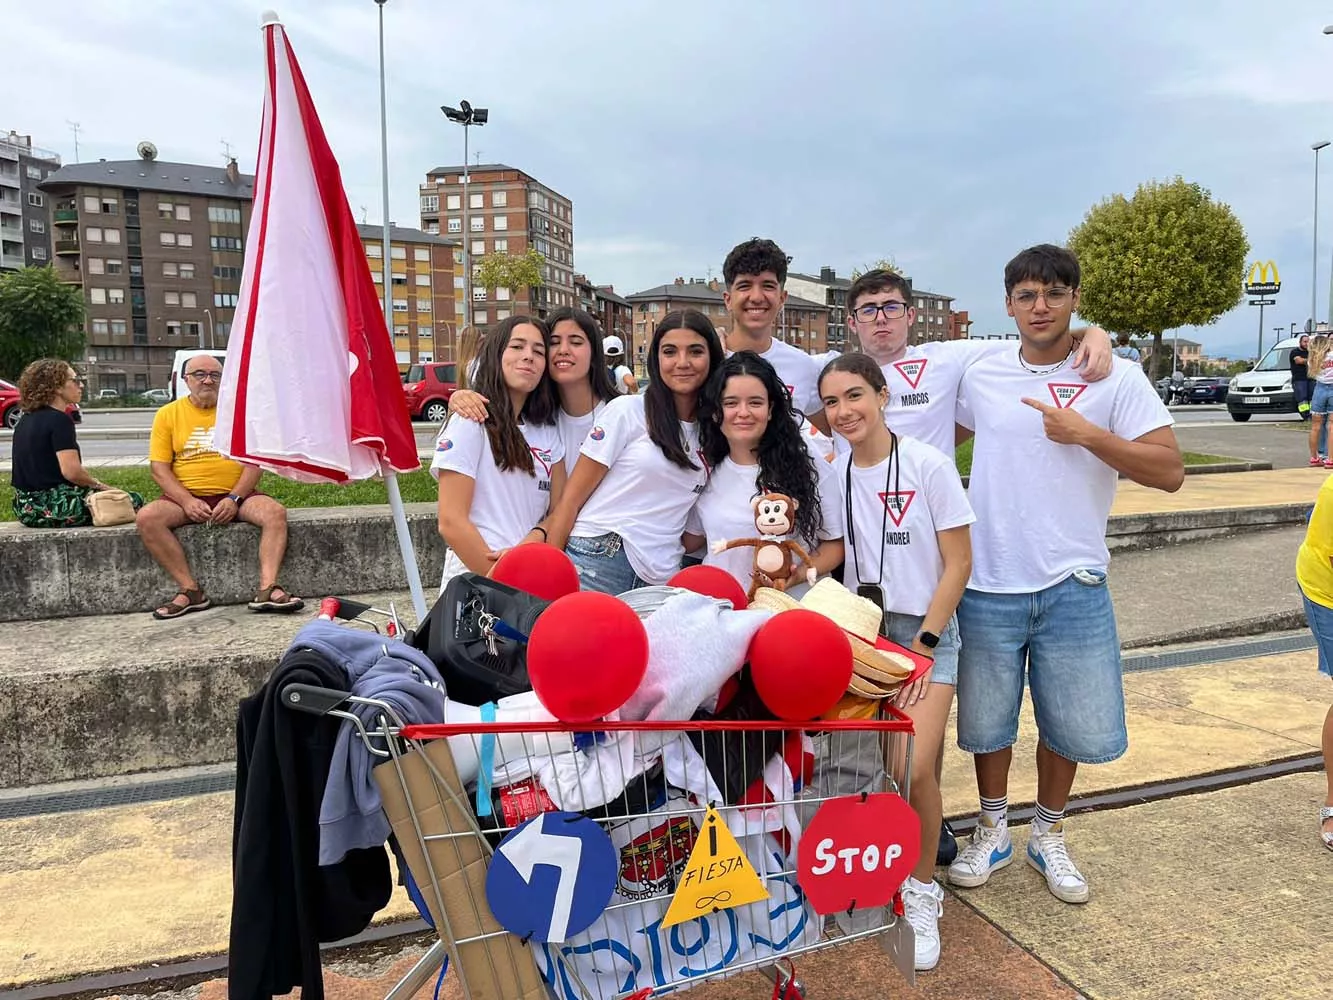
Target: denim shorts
[1321, 400]
[602, 564]
[1063, 640]
[905, 628]
[1320, 620]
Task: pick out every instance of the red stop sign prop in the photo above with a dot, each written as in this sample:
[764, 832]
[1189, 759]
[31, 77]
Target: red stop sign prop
[858, 851]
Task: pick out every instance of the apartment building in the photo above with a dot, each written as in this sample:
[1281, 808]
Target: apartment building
[802, 322]
[614, 313]
[960, 325]
[25, 226]
[422, 288]
[157, 248]
[932, 315]
[831, 290]
[507, 212]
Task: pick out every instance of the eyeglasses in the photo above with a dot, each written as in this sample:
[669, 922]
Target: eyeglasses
[205, 376]
[1055, 297]
[78, 379]
[893, 309]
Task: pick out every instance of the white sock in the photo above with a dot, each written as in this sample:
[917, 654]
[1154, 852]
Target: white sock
[1045, 819]
[995, 809]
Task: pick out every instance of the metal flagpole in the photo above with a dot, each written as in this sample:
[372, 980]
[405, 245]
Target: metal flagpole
[390, 477]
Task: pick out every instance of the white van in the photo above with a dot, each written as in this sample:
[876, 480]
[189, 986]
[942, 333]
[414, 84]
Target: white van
[176, 383]
[1265, 388]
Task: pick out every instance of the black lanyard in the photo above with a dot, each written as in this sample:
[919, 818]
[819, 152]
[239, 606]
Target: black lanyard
[894, 470]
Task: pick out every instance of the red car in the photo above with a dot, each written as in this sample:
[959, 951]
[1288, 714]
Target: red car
[9, 406]
[428, 388]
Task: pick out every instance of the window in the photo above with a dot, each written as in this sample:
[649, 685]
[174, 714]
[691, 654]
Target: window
[36, 226]
[96, 265]
[187, 270]
[97, 296]
[189, 300]
[169, 269]
[424, 332]
[455, 225]
[458, 281]
[173, 328]
[502, 294]
[423, 305]
[499, 199]
[99, 326]
[221, 273]
[478, 295]
[400, 331]
[433, 227]
[115, 296]
[168, 239]
[136, 269]
[398, 253]
[224, 300]
[502, 246]
[35, 200]
[453, 202]
[423, 279]
[92, 203]
[377, 277]
[652, 307]
[501, 315]
[118, 327]
[110, 206]
[400, 305]
[421, 253]
[475, 200]
[191, 328]
[478, 247]
[165, 209]
[185, 240]
[92, 234]
[34, 173]
[232, 243]
[477, 223]
[216, 213]
[400, 279]
[500, 222]
[39, 253]
[458, 256]
[182, 213]
[111, 235]
[171, 298]
[375, 250]
[479, 317]
[430, 202]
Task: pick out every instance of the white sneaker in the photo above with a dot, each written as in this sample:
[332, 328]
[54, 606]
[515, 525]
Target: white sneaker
[923, 909]
[988, 851]
[1048, 854]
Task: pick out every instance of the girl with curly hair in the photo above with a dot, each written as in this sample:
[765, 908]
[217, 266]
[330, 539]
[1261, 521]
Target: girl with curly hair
[50, 482]
[753, 444]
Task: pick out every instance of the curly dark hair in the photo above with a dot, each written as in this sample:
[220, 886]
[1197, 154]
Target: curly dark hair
[755, 256]
[785, 463]
[508, 446]
[41, 382]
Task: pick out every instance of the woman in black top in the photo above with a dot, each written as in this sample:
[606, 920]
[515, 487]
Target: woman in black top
[49, 479]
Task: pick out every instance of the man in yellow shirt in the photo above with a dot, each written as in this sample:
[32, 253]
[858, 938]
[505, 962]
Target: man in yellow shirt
[201, 486]
[1314, 573]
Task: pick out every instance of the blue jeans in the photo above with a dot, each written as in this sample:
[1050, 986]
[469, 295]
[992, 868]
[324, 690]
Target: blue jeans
[1063, 640]
[904, 629]
[602, 564]
[1321, 399]
[1320, 620]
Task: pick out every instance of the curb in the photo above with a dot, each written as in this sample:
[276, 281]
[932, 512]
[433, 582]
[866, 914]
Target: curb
[1281, 621]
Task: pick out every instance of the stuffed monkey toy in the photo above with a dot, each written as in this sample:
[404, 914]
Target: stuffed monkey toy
[775, 555]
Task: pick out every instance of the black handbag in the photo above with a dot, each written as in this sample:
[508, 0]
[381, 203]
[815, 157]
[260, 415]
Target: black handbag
[477, 635]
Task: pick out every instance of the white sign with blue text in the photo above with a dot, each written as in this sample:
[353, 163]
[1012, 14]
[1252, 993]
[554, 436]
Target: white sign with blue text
[552, 877]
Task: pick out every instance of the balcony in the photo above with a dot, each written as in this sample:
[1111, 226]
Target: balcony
[11, 261]
[66, 246]
[66, 215]
[9, 180]
[14, 233]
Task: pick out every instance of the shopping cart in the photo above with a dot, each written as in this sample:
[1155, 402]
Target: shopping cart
[652, 822]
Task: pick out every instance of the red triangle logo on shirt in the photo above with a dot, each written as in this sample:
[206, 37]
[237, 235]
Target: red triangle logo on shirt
[896, 504]
[542, 458]
[1064, 393]
[911, 370]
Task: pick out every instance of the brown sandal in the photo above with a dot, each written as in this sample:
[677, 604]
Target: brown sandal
[196, 600]
[264, 601]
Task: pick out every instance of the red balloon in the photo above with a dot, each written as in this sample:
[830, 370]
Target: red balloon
[587, 654]
[711, 581]
[538, 569]
[801, 664]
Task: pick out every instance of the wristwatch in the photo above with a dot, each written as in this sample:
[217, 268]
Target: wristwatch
[929, 639]
[235, 498]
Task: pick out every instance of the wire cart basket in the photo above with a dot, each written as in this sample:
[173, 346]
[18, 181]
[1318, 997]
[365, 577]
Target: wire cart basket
[448, 834]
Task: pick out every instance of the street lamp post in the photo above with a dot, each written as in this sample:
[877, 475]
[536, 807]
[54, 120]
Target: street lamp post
[212, 338]
[467, 116]
[1328, 30]
[386, 263]
[1314, 253]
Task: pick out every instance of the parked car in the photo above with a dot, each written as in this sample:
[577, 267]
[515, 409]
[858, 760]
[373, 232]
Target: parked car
[1207, 389]
[107, 394]
[176, 382]
[157, 396]
[1265, 388]
[427, 388]
[9, 407]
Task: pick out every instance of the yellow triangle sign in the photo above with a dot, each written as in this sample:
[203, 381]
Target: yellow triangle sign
[718, 875]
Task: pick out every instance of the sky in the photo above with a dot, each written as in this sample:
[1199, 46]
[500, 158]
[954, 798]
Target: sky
[946, 135]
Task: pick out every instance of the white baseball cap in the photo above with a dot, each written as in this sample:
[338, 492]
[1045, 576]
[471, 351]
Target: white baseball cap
[613, 345]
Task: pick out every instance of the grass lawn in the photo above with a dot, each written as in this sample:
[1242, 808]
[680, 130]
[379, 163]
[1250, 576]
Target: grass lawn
[416, 487]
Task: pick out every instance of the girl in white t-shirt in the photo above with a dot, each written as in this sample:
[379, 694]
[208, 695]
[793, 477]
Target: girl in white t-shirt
[909, 549]
[754, 446]
[623, 516]
[498, 479]
[578, 370]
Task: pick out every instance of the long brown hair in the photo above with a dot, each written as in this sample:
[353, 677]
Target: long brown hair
[508, 446]
[470, 339]
[659, 404]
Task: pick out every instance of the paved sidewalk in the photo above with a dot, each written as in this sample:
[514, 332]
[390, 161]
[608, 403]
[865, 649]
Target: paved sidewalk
[1227, 489]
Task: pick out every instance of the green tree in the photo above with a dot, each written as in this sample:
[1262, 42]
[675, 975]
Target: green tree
[883, 264]
[40, 317]
[511, 271]
[1170, 256]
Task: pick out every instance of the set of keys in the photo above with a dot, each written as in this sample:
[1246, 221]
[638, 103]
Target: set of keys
[494, 628]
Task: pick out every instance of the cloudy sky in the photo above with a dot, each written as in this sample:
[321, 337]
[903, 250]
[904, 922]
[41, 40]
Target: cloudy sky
[946, 134]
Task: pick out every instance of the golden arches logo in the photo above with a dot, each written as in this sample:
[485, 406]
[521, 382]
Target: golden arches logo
[1263, 279]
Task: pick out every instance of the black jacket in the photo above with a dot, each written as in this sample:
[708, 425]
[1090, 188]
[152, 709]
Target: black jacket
[283, 903]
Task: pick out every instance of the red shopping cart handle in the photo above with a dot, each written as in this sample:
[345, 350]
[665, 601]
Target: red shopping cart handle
[920, 662]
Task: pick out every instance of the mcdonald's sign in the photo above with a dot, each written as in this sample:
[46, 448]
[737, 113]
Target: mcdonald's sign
[1263, 279]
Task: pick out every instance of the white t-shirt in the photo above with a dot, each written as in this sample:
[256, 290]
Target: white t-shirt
[505, 505]
[1041, 506]
[618, 373]
[1325, 373]
[644, 498]
[924, 496]
[799, 372]
[573, 431]
[723, 513]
